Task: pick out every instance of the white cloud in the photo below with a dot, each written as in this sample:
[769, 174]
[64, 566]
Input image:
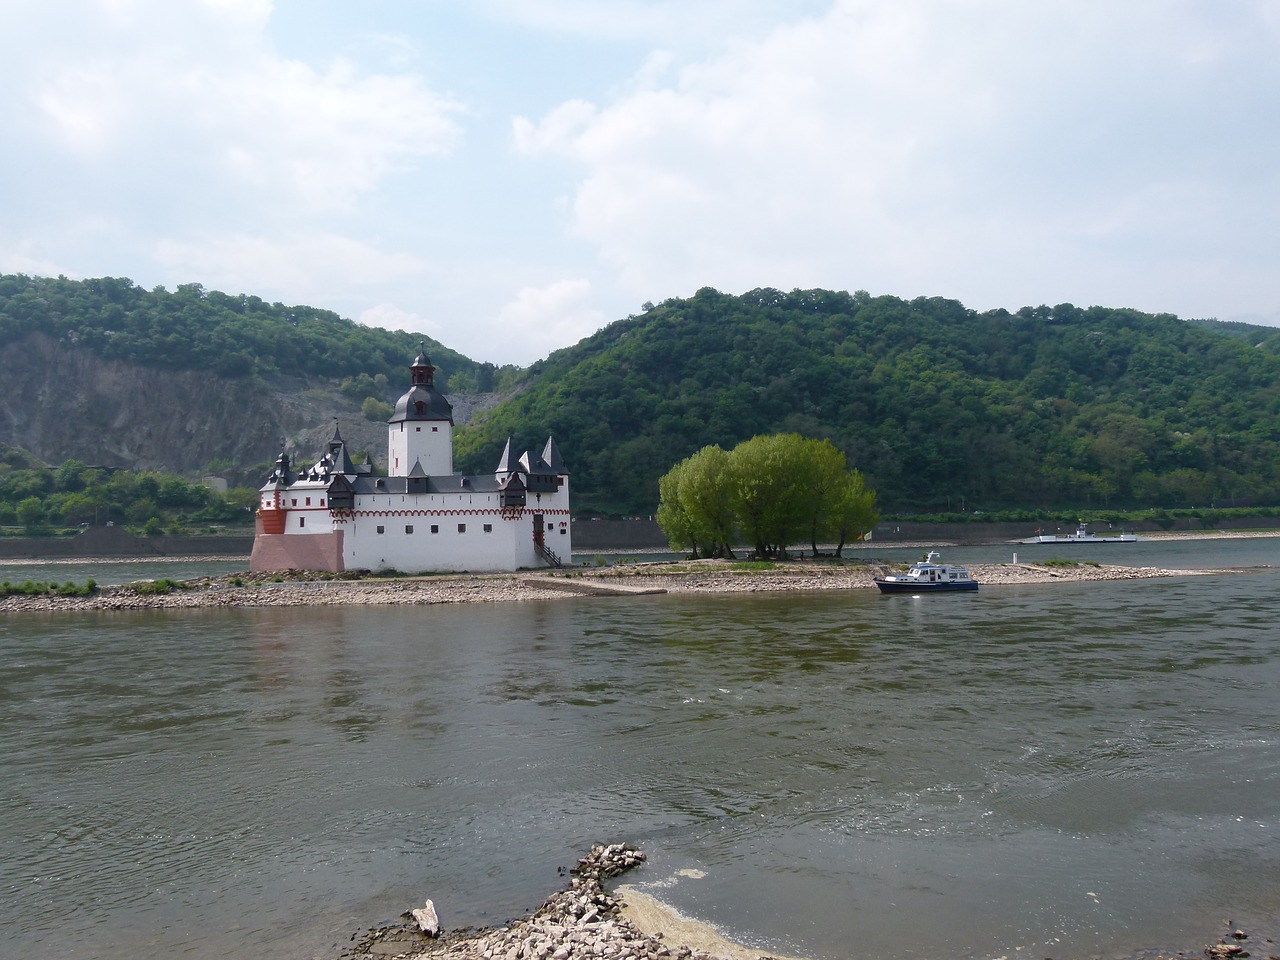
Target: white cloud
[391, 317]
[246, 11]
[542, 319]
[991, 151]
[309, 265]
[204, 91]
[662, 21]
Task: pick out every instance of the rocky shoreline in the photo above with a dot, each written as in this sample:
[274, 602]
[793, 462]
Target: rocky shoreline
[580, 922]
[682, 577]
[585, 922]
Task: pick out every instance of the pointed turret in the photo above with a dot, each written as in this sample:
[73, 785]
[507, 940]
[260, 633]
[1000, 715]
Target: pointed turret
[280, 475]
[551, 457]
[504, 463]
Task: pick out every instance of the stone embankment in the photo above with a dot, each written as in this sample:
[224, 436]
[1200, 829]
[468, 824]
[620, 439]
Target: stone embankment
[697, 576]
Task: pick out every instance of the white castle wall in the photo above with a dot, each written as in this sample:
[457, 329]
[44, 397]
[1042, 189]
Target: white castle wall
[395, 531]
[427, 441]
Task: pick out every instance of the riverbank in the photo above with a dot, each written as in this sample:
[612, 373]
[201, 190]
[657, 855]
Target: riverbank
[629, 579]
[584, 920]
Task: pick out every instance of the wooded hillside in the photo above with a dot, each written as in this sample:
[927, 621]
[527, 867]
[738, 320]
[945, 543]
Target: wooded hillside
[192, 328]
[941, 407]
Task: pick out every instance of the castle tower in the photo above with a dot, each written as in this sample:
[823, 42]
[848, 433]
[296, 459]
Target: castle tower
[421, 429]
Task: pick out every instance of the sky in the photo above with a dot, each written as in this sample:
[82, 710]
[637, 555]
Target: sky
[509, 176]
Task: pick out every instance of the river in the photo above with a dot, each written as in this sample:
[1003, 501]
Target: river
[1073, 770]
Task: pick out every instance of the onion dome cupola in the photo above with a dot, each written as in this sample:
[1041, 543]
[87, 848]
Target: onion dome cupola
[422, 401]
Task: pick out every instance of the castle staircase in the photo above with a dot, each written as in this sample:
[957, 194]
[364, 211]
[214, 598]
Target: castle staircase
[549, 555]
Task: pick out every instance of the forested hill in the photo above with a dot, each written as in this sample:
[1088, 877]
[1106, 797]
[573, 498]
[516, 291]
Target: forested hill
[105, 372]
[941, 407]
[229, 335]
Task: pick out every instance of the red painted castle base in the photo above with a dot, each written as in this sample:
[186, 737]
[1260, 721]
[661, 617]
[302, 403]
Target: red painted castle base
[278, 551]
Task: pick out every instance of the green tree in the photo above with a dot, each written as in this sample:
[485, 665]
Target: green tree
[71, 508]
[854, 512]
[141, 510]
[70, 476]
[672, 516]
[704, 486]
[30, 513]
[766, 495]
[819, 470]
[775, 488]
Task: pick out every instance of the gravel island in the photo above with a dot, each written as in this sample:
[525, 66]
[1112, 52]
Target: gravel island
[622, 579]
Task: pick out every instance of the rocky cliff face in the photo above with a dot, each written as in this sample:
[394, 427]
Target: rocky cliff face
[59, 402]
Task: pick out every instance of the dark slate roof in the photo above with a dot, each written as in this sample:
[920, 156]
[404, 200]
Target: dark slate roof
[434, 405]
[422, 391]
[339, 459]
[455, 483]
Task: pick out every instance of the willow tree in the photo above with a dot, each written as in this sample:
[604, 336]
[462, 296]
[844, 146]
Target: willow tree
[853, 510]
[694, 509]
[767, 492]
[773, 490]
[819, 471]
[672, 516]
[704, 492]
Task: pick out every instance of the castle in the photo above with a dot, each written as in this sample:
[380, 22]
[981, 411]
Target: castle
[337, 515]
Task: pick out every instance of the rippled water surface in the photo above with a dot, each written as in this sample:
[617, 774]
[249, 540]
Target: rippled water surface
[1067, 771]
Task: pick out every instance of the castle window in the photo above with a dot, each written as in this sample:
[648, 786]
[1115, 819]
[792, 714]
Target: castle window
[408, 528]
[563, 531]
[302, 521]
[308, 501]
[294, 502]
[382, 529]
[488, 528]
[420, 407]
[462, 528]
[322, 501]
[417, 429]
[435, 429]
[435, 528]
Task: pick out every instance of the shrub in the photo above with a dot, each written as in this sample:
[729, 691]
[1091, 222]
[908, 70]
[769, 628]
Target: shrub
[146, 587]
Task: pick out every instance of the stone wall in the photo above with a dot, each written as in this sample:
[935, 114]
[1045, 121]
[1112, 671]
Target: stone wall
[618, 535]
